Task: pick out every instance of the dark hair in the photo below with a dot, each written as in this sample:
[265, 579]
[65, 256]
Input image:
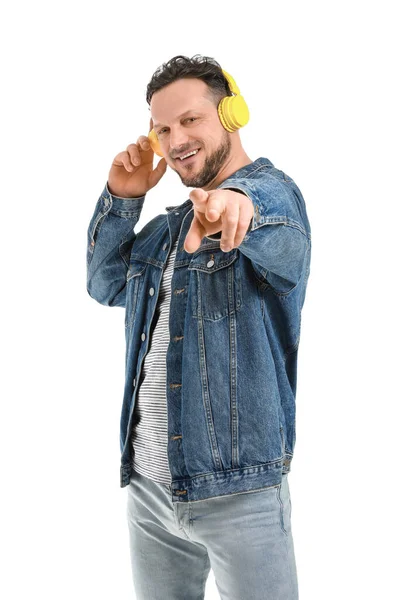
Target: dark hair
[199, 67]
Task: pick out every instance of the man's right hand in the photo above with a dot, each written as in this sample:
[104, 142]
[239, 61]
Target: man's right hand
[132, 173]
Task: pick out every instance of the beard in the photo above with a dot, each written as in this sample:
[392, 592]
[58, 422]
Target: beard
[212, 165]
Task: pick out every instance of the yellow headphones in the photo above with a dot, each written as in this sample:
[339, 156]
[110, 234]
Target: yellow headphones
[232, 110]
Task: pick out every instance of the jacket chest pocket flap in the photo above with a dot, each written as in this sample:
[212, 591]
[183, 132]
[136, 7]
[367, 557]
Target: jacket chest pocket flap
[134, 277]
[215, 286]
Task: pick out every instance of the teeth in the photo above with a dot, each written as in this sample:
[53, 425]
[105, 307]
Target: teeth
[190, 154]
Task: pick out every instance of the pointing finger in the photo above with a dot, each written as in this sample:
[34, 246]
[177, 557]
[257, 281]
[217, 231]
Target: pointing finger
[194, 236]
[198, 195]
[215, 207]
[199, 198]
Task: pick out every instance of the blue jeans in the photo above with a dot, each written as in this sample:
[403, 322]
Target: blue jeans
[246, 538]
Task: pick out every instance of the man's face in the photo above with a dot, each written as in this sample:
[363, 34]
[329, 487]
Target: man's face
[185, 119]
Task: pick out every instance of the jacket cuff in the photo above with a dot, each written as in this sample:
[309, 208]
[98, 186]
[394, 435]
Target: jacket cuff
[123, 207]
[273, 212]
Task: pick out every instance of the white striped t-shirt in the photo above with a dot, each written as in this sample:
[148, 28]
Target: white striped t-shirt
[149, 436]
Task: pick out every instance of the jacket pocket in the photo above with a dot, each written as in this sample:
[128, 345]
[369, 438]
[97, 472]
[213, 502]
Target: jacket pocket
[215, 285]
[134, 278]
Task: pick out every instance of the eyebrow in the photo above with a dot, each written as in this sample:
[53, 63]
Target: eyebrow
[181, 115]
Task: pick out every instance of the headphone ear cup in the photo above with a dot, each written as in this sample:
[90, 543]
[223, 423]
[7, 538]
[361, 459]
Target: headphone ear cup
[233, 112]
[155, 145]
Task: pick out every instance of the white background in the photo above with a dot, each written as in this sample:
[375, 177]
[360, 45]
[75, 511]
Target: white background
[325, 83]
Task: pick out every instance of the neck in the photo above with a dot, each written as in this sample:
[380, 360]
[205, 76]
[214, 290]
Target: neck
[237, 160]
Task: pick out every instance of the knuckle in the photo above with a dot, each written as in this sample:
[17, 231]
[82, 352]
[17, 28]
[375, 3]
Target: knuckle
[231, 220]
[143, 142]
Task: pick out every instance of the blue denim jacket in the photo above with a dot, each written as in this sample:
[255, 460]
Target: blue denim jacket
[234, 325]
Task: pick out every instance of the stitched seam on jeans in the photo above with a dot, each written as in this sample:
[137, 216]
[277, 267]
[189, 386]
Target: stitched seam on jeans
[282, 512]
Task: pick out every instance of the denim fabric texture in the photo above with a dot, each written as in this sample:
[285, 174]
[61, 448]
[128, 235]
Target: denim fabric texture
[235, 323]
[246, 539]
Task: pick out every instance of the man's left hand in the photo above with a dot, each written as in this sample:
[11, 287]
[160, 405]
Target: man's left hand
[219, 210]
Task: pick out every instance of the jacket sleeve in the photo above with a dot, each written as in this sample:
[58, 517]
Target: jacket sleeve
[110, 237]
[278, 238]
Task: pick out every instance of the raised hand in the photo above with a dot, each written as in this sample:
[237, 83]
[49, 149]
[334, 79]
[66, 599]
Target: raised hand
[132, 173]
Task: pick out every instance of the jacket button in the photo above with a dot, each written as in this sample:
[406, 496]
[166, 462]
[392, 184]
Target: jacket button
[143, 336]
[210, 263]
[151, 291]
[164, 247]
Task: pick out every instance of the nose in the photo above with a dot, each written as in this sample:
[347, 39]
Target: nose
[178, 140]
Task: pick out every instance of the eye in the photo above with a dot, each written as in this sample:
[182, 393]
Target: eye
[189, 119]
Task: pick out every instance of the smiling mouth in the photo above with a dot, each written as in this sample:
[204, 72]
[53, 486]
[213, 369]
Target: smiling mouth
[189, 159]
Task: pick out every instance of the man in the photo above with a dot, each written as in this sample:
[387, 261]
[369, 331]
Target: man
[213, 292]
